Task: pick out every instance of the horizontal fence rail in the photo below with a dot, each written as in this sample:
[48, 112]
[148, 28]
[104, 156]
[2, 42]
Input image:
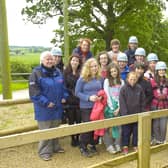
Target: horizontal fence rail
[144, 135]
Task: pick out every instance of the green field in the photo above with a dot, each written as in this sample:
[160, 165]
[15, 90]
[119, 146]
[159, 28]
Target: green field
[28, 58]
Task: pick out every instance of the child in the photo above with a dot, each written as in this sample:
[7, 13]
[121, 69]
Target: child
[132, 101]
[145, 84]
[132, 46]
[140, 54]
[115, 50]
[112, 86]
[160, 101]
[103, 60]
[152, 59]
[122, 60]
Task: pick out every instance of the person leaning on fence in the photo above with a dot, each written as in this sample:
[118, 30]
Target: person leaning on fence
[112, 86]
[71, 75]
[47, 92]
[132, 101]
[87, 87]
[159, 101]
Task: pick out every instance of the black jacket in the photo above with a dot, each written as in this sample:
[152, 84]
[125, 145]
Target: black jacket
[70, 83]
[131, 99]
[147, 88]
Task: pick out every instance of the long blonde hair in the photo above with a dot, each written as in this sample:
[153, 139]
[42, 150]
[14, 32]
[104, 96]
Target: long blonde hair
[86, 73]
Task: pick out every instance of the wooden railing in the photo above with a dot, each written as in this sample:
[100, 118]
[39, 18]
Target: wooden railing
[144, 136]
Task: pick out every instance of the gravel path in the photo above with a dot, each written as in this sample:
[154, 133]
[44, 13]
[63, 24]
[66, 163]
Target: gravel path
[26, 157]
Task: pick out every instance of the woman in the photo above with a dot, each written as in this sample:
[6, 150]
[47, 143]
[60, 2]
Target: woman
[103, 60]
[86, 89]
[83, 49]
[71, 75]
[47, 92]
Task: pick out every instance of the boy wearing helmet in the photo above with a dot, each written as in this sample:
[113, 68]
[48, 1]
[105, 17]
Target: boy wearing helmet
[140, 54]
[132, 46]
[159, 101]
[152, 59]
[123, 65]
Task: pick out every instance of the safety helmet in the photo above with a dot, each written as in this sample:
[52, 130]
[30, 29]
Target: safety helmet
[152, 57]
[122, 57]
[160, 65]
[56, 51]
[140, 51]
[133, 39]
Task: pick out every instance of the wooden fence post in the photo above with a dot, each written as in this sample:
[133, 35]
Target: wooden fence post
[144, 138]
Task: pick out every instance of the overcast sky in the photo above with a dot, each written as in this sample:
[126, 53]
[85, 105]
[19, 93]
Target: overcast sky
[28, 34]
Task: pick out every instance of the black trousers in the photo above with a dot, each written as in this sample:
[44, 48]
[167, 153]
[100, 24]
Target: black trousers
[86, 138]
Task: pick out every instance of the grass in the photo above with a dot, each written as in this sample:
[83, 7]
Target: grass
[29, 58]
[16, 86]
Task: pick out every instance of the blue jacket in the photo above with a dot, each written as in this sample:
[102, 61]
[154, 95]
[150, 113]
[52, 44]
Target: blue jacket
[124, 73]
[79, 52]
[84, 90]
[131, 56]
[47, 86]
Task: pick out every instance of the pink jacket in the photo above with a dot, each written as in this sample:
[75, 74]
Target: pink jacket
[160, 95]
[97, 112]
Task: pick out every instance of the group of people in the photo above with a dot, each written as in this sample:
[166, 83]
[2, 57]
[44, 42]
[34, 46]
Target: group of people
[91, 88]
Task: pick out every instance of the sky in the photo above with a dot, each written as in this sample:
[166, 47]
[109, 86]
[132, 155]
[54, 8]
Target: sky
[27, 34]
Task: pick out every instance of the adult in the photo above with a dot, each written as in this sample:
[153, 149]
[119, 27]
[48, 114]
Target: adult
[71, 75]
[103, 60]
[47, 92]
[86, 89]
[83, 49]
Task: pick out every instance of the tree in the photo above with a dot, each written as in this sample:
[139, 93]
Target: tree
[102, 19]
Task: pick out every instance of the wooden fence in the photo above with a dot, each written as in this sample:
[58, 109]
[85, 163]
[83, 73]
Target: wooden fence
[144, 136]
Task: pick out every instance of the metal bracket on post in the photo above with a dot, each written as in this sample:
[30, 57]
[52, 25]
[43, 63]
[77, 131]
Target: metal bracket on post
[144, 138]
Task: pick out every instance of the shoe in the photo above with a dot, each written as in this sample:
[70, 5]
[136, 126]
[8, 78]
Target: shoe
[85, 152]
[45, 157]
[93, 150]
[125, 150]
[74, 143]
[118, 148]
[59, 150]
[111, 149]
[153, 142]
[135, 148]
[158, 142]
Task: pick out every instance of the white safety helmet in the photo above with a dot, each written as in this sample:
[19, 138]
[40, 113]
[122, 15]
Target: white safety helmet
[160, 65]
[122, 57]
[56, 51]
[140, 51]
[133, 39]
[152, 57]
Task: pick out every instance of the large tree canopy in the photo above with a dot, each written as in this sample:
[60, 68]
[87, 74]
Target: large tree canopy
[104, 20]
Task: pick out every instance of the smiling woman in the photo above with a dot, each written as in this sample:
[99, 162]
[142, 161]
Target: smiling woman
[27, 34]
